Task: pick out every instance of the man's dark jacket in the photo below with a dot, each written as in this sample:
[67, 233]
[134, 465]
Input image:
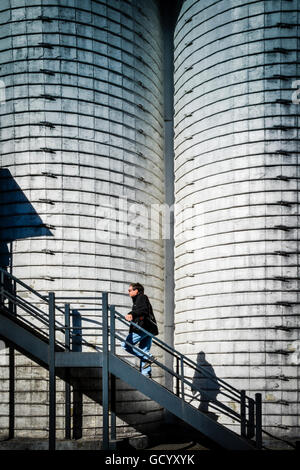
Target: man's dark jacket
[140, 312]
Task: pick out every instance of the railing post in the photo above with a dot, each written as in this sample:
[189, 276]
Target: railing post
[10, 289]
[2, 288]
[243, 413]
[11, 434]
[14, 295]
[182, 376]
[258, 420]
[251, 425]
[112, 309]
[67, 327]
[52, 384]
[112, 376]
[177, 377]
[76, 331]
[67, 380]
[12, 413]
[105, 373]
[77, 393]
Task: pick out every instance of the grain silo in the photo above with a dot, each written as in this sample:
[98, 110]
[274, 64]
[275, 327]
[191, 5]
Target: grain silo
[81, 132]
[236, 195]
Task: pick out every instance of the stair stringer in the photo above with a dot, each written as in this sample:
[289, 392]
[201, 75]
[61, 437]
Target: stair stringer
[200, 421]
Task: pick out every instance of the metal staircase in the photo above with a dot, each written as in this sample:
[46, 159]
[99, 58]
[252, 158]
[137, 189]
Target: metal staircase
[40, 328]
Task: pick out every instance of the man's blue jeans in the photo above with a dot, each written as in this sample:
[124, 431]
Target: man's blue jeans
[144, 342]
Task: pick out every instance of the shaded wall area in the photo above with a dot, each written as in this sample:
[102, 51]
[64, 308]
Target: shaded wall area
[18, 217]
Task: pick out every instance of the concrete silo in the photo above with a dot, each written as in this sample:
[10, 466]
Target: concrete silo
[236, 196]
[81, 128]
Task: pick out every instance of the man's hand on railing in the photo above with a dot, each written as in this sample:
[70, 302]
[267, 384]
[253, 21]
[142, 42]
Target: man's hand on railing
[128, 317]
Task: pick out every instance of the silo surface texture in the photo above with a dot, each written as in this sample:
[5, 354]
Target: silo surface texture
[236, 198]
[81, 133]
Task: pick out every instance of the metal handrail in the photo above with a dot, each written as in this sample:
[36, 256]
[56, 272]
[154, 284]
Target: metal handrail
[36, 312]
[39, 314]
[30, 308]
[185, 380]
[6, 273]
[174, 352]
[248, 425]
[78, 298]
[16, 300]
[204, 394]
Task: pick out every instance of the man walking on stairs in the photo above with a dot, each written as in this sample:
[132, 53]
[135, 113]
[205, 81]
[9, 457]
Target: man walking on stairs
[142, 315]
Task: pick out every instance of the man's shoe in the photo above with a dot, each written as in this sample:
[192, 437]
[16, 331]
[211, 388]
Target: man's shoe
[148, 362]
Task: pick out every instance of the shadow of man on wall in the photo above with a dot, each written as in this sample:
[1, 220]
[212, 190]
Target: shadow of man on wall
[205, 385]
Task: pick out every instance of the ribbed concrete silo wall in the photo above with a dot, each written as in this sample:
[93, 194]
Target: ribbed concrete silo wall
[81, 128]
[236, 185]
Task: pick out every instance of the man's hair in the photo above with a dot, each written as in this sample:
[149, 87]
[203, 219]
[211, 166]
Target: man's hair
[138, 286]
